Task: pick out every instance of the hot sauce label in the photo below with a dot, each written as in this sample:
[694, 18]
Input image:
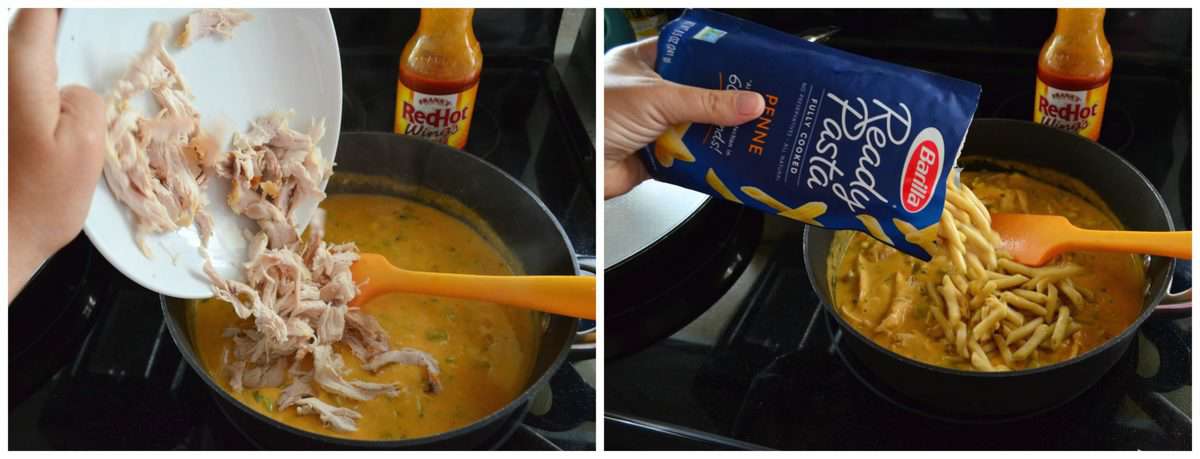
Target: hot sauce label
[442, 118]
[1076, 111]
[845, 142]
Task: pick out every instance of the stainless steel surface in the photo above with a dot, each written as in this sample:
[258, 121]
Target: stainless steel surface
[637, 219]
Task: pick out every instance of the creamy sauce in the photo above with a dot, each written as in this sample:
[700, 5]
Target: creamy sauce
[486, 352]
[1116, 280]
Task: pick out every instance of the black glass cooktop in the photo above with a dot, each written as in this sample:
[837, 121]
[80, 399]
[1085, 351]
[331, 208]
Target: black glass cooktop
[776, 376]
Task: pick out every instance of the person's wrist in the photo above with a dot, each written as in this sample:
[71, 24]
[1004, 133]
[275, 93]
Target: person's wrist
[27, 255]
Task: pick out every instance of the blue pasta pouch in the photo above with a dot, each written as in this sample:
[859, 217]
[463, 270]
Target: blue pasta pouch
[845, 142]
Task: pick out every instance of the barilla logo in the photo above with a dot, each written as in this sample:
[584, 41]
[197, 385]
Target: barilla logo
[922, 170]
[436, 118]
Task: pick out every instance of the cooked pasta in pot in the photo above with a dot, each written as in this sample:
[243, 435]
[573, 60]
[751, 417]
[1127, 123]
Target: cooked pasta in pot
[972, 307]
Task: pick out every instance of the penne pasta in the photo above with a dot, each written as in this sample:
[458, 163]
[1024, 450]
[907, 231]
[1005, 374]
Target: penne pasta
[943, 322]
[985, 311]
[1031, 295]
[980, 361]
[1017, 302]
[988, 323]
[989, 289]
[1051, 301]
[950, 294]
[980, 245]
[958, 214]
[923, 238]
[1023, 331]
[960, 282]
[975, 267]
[977, 213]
[1013, 317]
[1068, 289]
[1055, 274]
[1005, 354]
[960, 339]
[932, 290]
[954, 246]
[1030, 345]
[1060, 327]
[1006, 282]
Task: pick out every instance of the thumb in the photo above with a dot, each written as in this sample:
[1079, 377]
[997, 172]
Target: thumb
[81, 126]
[682, 104]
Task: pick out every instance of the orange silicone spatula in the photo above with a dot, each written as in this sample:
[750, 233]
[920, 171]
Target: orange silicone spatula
[572, 296]
[1036, 239]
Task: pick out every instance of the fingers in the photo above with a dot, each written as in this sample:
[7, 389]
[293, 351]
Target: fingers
[33, 96]
[81, 129]
[34, 27]
[680, 104]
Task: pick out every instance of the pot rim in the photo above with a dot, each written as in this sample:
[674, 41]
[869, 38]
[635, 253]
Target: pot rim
[176, 330]
[1154, 298]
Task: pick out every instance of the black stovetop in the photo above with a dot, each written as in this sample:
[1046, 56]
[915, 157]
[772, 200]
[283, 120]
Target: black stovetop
[777, 378]
[91, 364]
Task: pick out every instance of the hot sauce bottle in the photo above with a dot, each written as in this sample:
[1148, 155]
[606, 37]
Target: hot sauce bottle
[439, 74]
[1073, 72]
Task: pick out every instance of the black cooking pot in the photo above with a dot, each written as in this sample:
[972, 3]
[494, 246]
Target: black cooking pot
[516, 216]
[1131, 198]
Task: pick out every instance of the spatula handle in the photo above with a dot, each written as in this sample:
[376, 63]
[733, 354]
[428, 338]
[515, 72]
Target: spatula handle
[1175, 244]
[572, 296]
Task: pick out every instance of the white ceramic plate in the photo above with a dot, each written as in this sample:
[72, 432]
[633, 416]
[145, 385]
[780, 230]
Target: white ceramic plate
[282, 59]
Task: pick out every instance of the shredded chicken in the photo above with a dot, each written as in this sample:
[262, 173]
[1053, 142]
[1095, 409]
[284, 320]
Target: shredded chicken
[328, 368]
[409, 356]
[365, 337]
[336, 418]
[300, 387]
[275, 170]
[211, 22]
[153, 164]
[265, 376]
[295, 292]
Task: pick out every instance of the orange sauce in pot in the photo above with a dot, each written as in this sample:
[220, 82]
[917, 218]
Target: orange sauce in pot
[486, 352]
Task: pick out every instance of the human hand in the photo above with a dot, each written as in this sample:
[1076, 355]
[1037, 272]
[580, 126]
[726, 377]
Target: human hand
[639, 106]
[55, 148]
